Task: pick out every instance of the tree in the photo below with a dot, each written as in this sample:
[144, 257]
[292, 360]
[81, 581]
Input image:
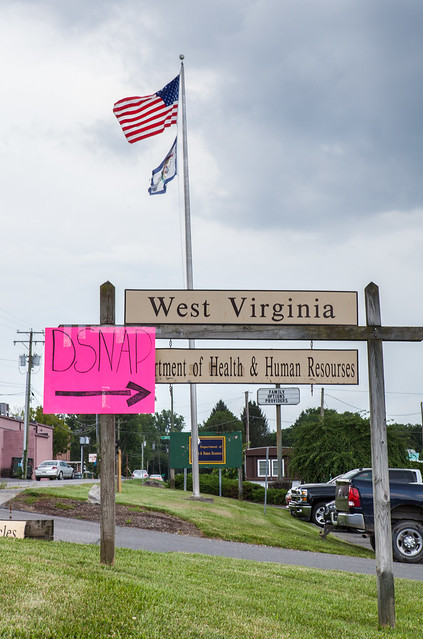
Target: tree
[219, 408]
[131, 432]
[134, 430]
[221, 420]
[165, 423]
[324, 448]
[260, 434]
[62, 434]
[411, 434]
[81, 426]
[288, 436]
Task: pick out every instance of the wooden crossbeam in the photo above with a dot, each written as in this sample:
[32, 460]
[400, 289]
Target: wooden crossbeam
[315, 333]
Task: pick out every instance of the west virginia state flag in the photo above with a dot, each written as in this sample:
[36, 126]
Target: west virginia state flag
[164, 173]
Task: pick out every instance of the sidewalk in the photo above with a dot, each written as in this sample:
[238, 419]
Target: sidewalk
[7, 493]
[15, 486]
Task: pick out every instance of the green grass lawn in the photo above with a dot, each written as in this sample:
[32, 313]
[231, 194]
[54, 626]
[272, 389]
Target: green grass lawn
[59, 590]
[224, 518]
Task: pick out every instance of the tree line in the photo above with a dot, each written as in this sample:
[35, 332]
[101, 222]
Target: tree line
[322, 446]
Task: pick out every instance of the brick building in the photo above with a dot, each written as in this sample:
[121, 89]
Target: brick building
[40, 443]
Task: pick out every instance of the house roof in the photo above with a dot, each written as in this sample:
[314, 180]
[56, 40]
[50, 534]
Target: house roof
[7, 421]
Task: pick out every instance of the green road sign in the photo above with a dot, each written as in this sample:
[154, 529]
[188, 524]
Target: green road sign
[215, 450]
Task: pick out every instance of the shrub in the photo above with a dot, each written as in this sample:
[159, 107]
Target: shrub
[209, 485]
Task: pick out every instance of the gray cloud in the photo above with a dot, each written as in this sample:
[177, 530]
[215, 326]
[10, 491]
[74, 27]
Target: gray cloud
[305, 156]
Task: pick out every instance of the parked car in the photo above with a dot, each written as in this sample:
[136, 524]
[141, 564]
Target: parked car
[309, 500]
[354, 507]
[156, 477]
[139, 474]
[288, 497]
[54, 469]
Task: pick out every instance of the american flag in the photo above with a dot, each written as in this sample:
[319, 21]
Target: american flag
[150, 115]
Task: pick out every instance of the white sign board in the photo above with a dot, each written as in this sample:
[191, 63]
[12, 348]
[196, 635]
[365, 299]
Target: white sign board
[240, 307]
[12, 529]
[255, 366]
[278, 396]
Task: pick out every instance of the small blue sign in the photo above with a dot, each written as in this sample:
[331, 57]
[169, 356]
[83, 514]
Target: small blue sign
[211, 450]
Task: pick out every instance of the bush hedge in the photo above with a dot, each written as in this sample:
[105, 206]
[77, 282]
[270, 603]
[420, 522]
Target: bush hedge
[209, 485]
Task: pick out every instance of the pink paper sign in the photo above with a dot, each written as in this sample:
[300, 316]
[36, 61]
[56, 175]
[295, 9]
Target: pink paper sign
[99, 369]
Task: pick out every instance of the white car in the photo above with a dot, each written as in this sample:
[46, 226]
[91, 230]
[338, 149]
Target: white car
[53, 469]
[139, 474]
[156, 477]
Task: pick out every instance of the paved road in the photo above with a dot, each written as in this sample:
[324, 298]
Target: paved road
[84, 532]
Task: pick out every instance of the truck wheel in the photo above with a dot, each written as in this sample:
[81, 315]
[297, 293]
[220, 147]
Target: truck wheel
[318, 514]
[407, 542]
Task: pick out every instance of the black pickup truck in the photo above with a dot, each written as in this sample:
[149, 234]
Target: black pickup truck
[354, 510]
[308, 501]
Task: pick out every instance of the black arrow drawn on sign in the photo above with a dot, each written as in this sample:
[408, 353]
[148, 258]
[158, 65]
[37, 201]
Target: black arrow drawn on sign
[141, 393]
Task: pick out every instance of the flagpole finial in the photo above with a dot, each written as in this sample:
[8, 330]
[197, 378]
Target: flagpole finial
[181, 56]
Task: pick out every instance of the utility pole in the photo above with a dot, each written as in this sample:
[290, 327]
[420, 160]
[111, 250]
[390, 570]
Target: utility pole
[172, 424]
[33, 360]
[279, 438]
[142, 454]
[247, 421]
[322, 403]
[247, 431]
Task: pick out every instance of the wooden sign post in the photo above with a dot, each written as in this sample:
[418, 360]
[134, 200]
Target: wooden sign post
[379, 446]
[107, 449]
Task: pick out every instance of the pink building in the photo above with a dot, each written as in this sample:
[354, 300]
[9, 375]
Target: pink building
[40, 443]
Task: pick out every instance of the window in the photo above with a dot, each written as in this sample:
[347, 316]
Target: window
[401, 475]
[272, 470]
[261, 463]
[365, 474]
[275, 468]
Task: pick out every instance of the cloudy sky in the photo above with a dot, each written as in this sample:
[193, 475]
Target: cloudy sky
[305, 159]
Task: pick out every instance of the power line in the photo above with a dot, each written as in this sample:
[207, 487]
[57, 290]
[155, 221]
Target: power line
[360, 410]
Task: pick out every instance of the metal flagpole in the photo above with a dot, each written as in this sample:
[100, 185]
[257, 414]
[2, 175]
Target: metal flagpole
[190, 285]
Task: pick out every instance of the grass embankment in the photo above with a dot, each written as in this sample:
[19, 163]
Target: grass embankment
[224, 518]
[60, 590]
